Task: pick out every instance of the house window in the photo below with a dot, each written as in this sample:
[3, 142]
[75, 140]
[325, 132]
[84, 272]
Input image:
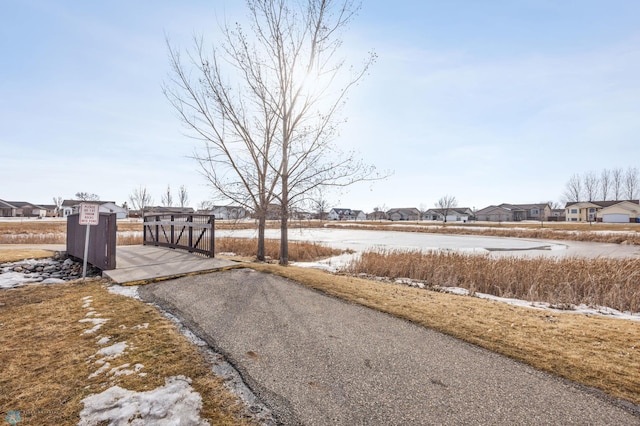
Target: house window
[535, 212]
[592, 210]
[574, 211]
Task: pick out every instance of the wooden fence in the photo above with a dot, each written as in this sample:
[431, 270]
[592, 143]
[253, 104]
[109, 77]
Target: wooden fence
[191, 232]
[102, 240]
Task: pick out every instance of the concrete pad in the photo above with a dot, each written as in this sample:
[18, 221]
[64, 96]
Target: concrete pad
[146, 264]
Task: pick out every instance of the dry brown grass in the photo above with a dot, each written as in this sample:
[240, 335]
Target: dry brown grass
[44, 353]
[12, 255]
[614, 283]
[595, 351]
[299, 251]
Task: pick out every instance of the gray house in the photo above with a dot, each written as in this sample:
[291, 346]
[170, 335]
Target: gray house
[409, 213]
[514, 212]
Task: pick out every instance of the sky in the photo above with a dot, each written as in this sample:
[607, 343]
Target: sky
[491, 102]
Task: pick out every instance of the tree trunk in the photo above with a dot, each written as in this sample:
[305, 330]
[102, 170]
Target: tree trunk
[262, 223]
[284, 225]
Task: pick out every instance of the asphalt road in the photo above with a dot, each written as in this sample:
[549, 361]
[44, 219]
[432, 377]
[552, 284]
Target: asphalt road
[316, 360]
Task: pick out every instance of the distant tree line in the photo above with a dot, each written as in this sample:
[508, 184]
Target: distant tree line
[607, 185]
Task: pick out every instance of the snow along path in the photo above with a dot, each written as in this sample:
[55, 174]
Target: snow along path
[175, 403]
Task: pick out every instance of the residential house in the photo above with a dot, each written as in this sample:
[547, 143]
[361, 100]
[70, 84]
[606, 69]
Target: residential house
[298, 214]
[621, 212]
[585, 211]
[227, 212]
[409, 213]
[377, 215]
[70, 207]
[456, 214]
[346, 214]
[7, 209]
[169, 210]
[21, 209]
[111, 207]
[557, 215]
[514, 212]
[52, 209]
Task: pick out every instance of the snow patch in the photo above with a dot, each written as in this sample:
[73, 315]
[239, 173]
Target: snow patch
[100, 370]
[103, 340]
[129, 291]
[97, 323]
[175, 403]
[113, 351]
[15, 279]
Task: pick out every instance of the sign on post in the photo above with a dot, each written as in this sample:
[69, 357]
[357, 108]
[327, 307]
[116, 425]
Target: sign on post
[89, 215]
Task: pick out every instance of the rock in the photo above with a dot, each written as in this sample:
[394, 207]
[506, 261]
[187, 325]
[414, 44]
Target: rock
[18, 269]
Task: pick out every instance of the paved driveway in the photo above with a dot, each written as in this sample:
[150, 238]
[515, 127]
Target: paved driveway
[317, 360]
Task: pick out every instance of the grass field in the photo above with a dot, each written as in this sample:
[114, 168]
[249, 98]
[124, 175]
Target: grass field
[48, 359]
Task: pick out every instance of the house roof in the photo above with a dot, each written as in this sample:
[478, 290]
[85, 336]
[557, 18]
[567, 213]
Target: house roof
[492, 208]
[600, 203]
[72, 203]
[514, 207]
[404, 210]
[6, 204]
[22, 204]
[457, 210]
[624, 205]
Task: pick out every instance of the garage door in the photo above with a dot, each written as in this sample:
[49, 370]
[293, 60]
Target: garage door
[615, 218]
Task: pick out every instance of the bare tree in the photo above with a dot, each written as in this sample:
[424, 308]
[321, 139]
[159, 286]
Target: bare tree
[605, 184]
[617, 183]
[57, 201]
[87, 196]
[166, 198]
[140, 199]
[631, 183]
[269, 136]
[446, 203]
[205, 205]
[573, 189]
[590, 185]
[320, 204]
[183, 196]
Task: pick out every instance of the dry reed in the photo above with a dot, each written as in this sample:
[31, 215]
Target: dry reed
[613, 283]
[299, 251]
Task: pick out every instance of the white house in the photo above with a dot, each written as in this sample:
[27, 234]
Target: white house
[346, 214]
[228, 212]
[110, 207]
[70, 207]
[622, 212]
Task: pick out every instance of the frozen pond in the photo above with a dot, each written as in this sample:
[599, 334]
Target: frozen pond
[363, 240]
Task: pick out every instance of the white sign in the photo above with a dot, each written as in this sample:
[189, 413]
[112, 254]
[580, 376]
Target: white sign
[89, 214]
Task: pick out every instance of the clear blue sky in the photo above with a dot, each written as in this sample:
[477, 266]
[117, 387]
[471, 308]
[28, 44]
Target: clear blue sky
[489, 101]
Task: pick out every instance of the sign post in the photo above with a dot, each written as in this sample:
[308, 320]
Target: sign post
[89, 215]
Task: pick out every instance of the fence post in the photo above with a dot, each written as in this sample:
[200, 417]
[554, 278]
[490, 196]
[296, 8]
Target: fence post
[212, 221]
